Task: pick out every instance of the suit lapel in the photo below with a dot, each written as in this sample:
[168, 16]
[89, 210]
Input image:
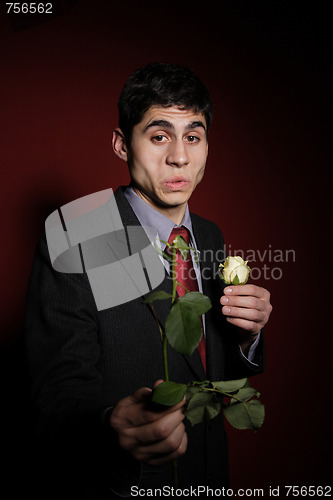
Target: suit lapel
[212, 288]
[129, 218]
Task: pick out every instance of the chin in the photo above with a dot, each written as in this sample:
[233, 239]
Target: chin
[174, 199]
[176, 202]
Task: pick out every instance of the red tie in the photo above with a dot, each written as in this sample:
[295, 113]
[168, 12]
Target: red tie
[185, 274]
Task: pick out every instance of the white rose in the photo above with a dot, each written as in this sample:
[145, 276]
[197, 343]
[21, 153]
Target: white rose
[235, 271]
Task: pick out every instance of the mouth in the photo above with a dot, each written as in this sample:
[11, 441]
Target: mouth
[176, 183]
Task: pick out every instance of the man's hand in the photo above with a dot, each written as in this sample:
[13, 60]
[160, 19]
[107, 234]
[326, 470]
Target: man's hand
[248, 307]
[151, 436]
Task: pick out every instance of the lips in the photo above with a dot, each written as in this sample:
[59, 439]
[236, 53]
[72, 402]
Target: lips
[176, 183]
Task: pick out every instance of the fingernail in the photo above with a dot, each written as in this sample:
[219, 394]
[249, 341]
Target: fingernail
[224, 300]
[228, 290]
[226, 310]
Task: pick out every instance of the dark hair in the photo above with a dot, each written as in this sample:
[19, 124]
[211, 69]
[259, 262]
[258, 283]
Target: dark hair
[161, 84]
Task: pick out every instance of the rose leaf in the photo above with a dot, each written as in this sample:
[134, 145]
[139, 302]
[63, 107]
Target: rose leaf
[169, 393]
[245, 415]
[202, 407]
[199, 302]
[230, 386]
[183, 328]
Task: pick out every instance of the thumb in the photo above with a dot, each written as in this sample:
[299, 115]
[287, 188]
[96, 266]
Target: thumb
[158, 382]
[139, 396]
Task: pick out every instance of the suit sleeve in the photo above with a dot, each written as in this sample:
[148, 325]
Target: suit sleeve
[77, 449]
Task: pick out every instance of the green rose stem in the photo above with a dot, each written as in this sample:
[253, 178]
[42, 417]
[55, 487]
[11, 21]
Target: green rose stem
[165, 343]
[163, 336]
[166, 377]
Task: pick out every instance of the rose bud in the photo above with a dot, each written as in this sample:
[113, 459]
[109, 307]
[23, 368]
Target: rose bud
[235, 271]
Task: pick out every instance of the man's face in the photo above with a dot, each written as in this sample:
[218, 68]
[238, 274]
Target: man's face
[168, 156]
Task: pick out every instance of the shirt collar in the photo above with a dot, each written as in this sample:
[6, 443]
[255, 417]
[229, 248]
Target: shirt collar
[150, 218]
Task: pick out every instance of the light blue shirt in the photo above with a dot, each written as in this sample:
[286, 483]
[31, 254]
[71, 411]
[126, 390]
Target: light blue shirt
[151, 218]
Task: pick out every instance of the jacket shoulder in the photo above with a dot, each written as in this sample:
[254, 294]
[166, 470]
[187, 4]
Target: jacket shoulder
[205, 225]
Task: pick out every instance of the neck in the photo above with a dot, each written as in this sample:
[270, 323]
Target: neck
[174, 213]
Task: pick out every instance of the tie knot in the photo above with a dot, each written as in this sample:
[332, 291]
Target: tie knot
[182, 231]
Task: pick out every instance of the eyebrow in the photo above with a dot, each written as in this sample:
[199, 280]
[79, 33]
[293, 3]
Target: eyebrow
[169, 125]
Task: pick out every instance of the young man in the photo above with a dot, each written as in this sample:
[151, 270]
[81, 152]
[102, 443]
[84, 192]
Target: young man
[93, 370]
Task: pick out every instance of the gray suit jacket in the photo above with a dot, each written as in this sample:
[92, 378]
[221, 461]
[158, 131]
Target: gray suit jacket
[82, 361]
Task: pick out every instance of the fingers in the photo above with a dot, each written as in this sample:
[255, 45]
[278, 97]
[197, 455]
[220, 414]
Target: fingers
[158, 382]
[158, 430]
[129, 411]
[254, 315]
[135, 410]
[155, 437]
[251, 327]
[166, 451]
[159, 442]
[246, 306]
[243, 301]
[140, 396]
[249, 289]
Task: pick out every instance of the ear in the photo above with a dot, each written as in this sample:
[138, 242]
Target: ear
[119, 144]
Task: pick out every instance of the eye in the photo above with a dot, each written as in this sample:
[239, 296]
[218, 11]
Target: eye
[192, 138]
[159, 138]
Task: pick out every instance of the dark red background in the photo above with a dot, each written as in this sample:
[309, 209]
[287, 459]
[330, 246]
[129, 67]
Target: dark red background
[266, 64]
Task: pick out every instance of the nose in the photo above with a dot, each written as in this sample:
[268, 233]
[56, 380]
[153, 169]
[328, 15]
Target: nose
[177, 154]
